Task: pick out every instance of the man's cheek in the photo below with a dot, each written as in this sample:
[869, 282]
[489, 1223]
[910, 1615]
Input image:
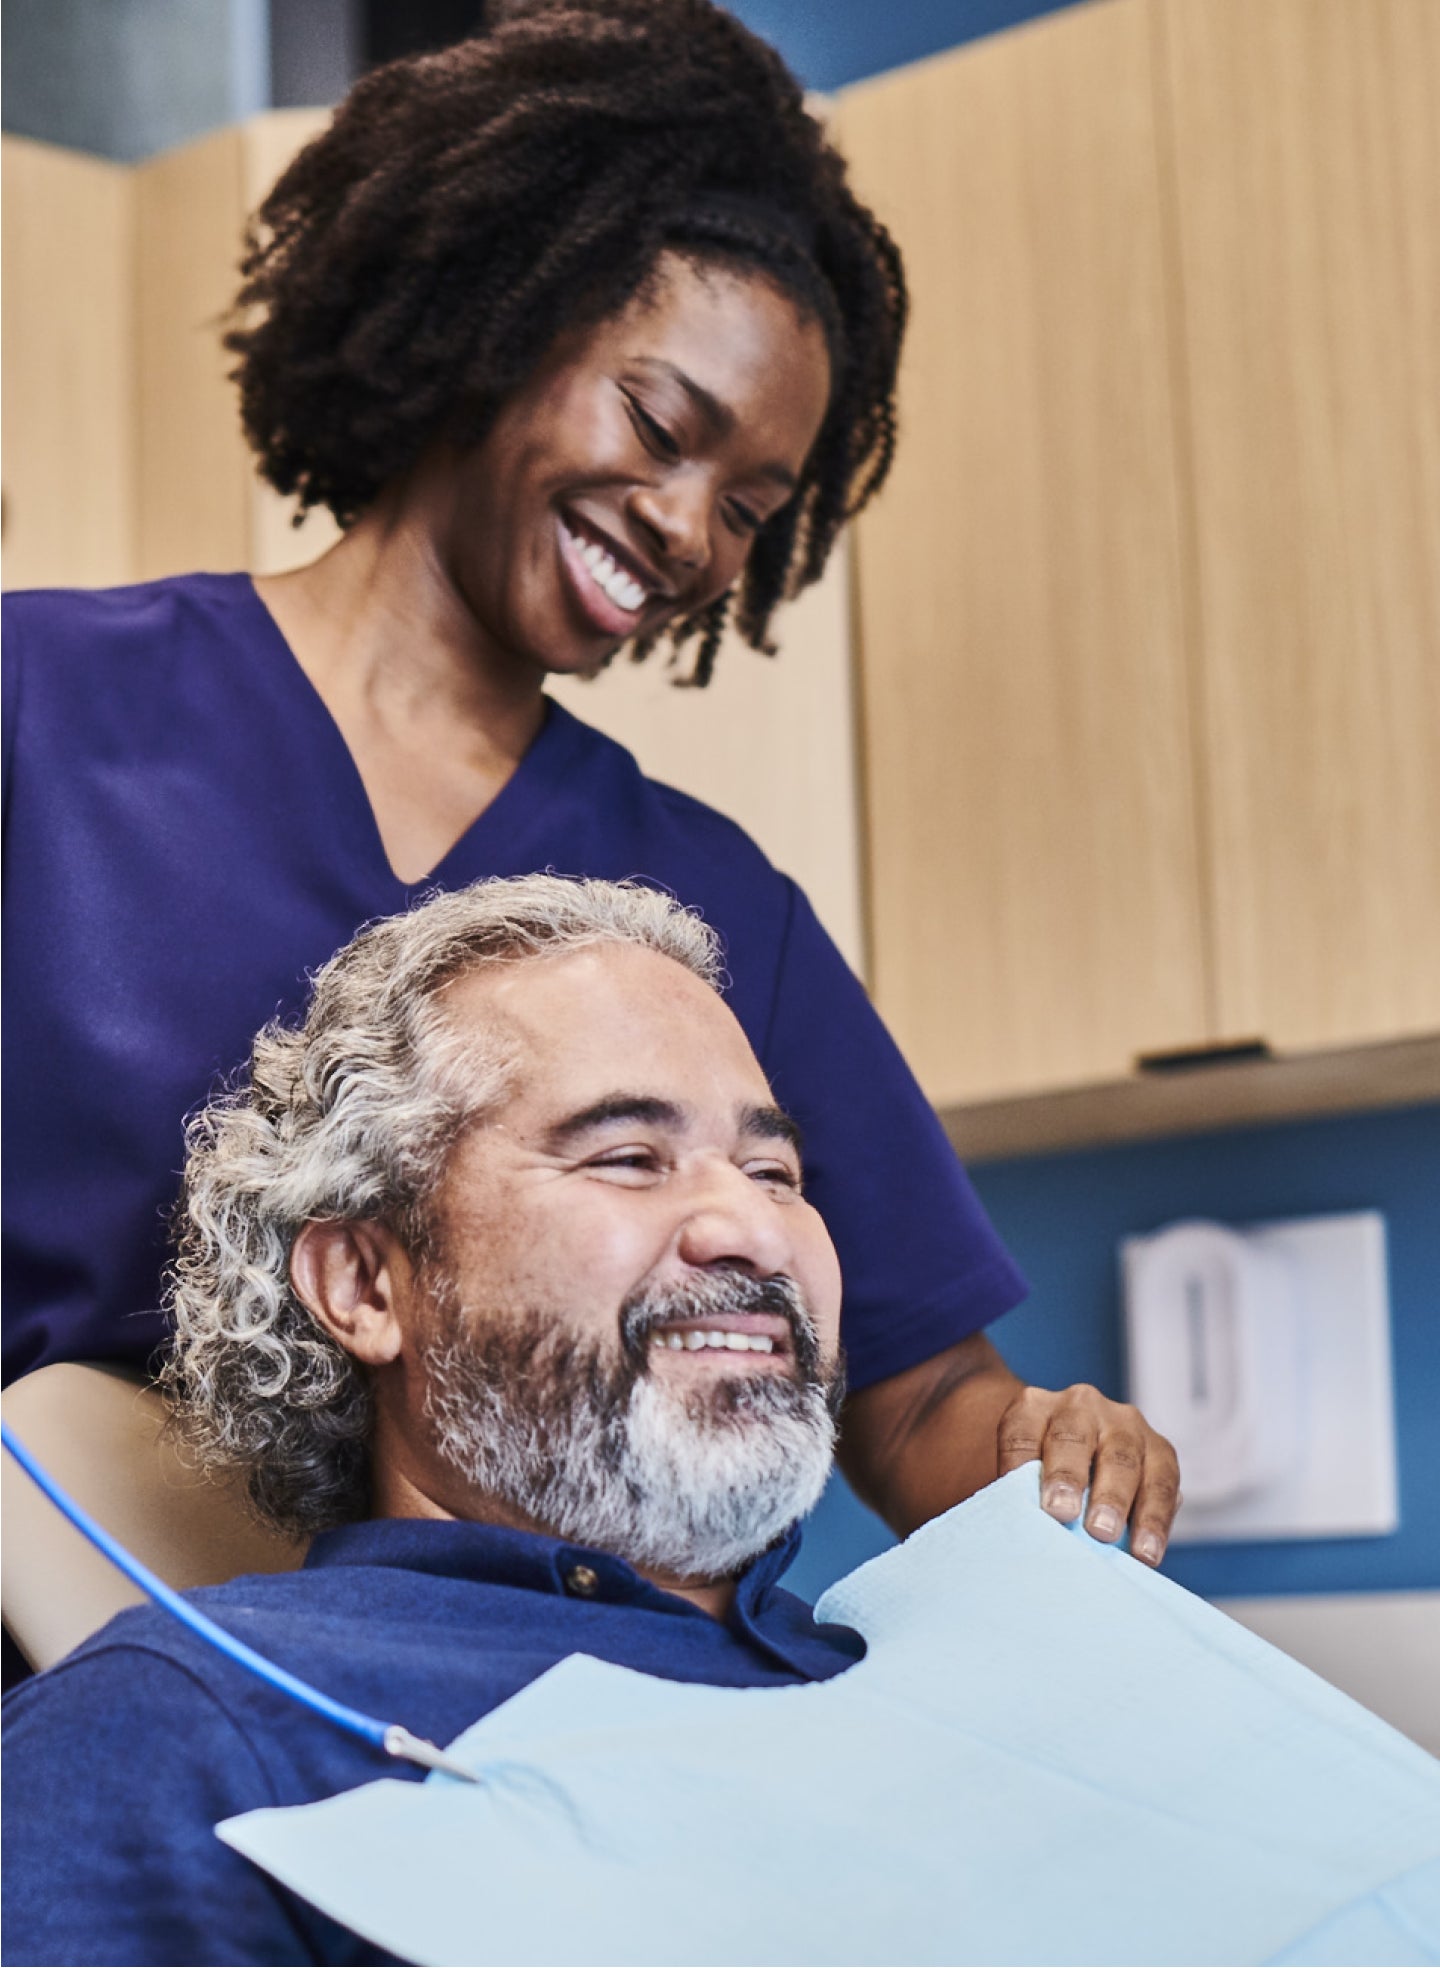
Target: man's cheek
[597, 1251]
[818, 1275]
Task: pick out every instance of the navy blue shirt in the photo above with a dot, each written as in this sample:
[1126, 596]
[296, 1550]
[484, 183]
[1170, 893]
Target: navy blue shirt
[120, 1761]
[187, 836]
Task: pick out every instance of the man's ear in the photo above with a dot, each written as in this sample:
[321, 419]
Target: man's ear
[358, 1281]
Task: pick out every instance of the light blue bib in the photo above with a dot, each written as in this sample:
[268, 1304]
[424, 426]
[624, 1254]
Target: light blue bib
[1049, 1754]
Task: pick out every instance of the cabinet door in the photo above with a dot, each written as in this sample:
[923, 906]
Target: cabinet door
[191, 487]
[199, 501]
[1035, 899]
[69, 395]
[1304, 141]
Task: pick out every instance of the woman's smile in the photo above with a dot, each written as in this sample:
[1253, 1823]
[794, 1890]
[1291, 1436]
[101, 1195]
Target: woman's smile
[623, 485]
[612, 594]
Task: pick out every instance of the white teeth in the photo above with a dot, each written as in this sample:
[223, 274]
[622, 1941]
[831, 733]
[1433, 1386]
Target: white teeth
[624, 591]
[695, 1341]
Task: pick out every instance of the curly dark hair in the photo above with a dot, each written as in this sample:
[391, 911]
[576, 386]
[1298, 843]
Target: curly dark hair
[462, 209]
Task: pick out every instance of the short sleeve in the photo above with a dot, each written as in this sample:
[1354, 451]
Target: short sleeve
[922, 1265]
[118, 1765]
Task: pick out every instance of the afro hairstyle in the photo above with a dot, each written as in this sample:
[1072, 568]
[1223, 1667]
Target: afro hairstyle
[463, 209]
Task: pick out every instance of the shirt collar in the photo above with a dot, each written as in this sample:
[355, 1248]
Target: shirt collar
[493, 1554]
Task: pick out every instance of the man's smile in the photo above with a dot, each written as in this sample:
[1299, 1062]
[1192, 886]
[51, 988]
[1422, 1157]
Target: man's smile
[695, 1341]
[757, 1336]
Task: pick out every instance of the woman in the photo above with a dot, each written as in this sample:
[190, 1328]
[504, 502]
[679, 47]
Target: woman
[580, 333]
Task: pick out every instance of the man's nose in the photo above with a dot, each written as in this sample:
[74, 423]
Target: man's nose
[732, 1219]
[676, 515]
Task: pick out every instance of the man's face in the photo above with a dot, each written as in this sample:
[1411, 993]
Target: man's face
[629, 1280]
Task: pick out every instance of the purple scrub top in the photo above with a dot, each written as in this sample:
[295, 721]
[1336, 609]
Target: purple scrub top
[187, 838]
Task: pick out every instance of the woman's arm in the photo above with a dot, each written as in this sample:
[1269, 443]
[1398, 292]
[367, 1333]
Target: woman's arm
[925, 1439]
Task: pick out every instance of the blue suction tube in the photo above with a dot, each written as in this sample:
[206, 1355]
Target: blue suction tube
[389, 1737]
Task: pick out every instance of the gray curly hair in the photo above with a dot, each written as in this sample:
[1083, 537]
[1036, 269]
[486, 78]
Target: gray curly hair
[350, 1117]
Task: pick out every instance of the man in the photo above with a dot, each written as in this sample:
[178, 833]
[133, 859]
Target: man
[498, 1275]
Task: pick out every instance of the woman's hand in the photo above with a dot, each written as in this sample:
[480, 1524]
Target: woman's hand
[925, 1440]
[1084, 1441]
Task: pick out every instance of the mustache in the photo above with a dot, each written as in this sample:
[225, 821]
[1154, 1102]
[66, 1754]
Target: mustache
[716, 1294]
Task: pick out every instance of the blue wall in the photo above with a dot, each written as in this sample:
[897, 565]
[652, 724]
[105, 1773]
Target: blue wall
[1064, 1217]
[831, 42]
[125, 78]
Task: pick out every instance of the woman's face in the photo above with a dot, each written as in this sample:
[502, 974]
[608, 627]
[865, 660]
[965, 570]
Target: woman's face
[624, 483]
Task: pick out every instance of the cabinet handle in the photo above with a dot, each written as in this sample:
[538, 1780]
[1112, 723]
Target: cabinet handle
[1195, 1059]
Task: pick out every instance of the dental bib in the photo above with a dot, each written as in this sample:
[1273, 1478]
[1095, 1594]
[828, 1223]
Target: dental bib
[1048, 1754]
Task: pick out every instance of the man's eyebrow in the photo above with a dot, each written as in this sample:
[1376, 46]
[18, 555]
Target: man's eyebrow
[616, 1109]
[719, 416]
[773, 1124]
[766, 1123]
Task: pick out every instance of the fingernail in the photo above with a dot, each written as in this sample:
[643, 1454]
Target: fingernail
[1148, 1548]
[1104, 1523]
[1062, 1500]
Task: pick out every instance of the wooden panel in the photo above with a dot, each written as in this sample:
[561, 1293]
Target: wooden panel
[771, 743]
[1307, 178]
[1403, 1073]
[1035, 899]
[68, 332]
[193, 476]
[201, 502]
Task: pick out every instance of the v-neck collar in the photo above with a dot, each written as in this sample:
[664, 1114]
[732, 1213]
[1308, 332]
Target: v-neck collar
[546, 764]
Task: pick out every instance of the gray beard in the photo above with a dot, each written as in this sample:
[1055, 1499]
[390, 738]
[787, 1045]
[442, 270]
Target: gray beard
[597, 1451]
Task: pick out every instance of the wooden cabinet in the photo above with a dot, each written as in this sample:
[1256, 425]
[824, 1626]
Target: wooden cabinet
[123, 454]
[1031, 810]
[69, 514]
[1304, 151]
[198, 501]
[1148, 616]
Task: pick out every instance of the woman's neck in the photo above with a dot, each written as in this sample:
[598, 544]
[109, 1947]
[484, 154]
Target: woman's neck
[435, 718]
[377, 619]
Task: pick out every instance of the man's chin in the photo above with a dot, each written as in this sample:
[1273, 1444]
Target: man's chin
[726, 1394]
[693, 1480]
[714, 1484]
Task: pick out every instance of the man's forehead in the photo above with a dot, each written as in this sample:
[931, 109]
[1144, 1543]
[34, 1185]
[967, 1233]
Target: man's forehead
[584, 1024]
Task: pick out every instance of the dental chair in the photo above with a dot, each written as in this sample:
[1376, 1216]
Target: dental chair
[98, 1430]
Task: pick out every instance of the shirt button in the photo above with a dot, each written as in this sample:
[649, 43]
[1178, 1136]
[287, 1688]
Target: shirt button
[583, 1581]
